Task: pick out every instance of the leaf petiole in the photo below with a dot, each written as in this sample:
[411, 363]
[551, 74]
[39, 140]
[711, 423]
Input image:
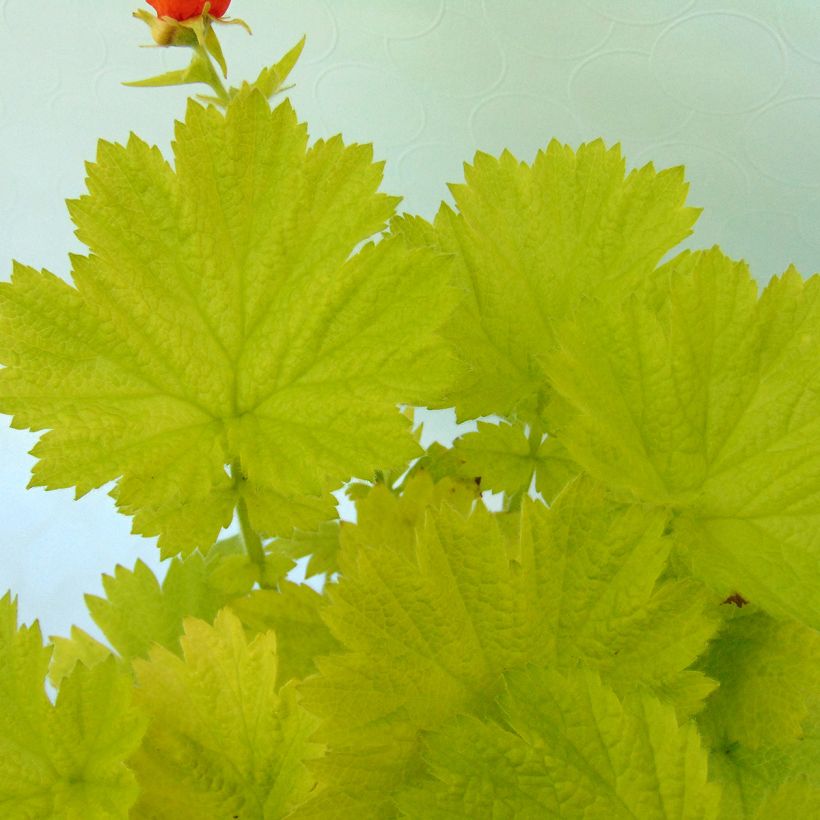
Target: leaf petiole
[250, 537]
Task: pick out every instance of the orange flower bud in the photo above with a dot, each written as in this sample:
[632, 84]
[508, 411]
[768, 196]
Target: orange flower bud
[185, 9]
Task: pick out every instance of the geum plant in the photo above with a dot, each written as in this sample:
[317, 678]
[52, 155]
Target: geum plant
[634, 635]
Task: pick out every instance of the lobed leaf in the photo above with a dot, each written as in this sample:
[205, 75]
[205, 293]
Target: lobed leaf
[321, 545]
[293, 613]
[431, 617]
[709, 406]
[530, 241]
[221, 320]
[138, 612]
[66, 760]
[567, 747]
[506, 459]
[223, 740]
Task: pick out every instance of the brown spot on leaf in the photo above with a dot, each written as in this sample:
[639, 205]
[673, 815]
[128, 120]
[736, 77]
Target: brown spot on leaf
[737, 599]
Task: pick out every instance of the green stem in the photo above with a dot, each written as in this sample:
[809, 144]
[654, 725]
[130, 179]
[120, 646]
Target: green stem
[536, 434]
[250, 538]
[515, 500]
[213, 80]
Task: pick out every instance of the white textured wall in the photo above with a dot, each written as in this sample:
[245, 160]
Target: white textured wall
[731, 89]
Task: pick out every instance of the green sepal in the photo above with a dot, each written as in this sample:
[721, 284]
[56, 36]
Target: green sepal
[214, 48]
[166, 31]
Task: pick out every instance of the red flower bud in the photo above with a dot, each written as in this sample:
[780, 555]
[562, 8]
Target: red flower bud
[184, 9]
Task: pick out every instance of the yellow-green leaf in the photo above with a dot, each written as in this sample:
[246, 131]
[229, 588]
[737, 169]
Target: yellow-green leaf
[567, 747]
[293, 613]
[220, 320]
[223, 740]
[66, 760]
[530, 241]
[431, 611]
[138, 612]
[708, 404]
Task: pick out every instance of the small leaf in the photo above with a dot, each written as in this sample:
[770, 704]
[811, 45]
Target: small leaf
[499, 454]
[271, 80]
[506, 459]
[321, 545]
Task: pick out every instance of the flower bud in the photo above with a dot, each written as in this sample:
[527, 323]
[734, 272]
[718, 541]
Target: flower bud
[185, 9]
[167, 32]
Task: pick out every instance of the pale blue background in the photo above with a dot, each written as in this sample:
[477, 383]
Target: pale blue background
[731, 89]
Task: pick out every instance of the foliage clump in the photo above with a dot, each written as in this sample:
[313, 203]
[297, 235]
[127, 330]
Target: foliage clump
[633, 633]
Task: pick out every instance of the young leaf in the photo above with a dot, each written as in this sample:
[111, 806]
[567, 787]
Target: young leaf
[65, 760]
[530, 241]
[498, 454]
[387, 518]
[272, 79]
[710, 406]
[506, 460]
[220, 320]
[222, 741]
[567, 748]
